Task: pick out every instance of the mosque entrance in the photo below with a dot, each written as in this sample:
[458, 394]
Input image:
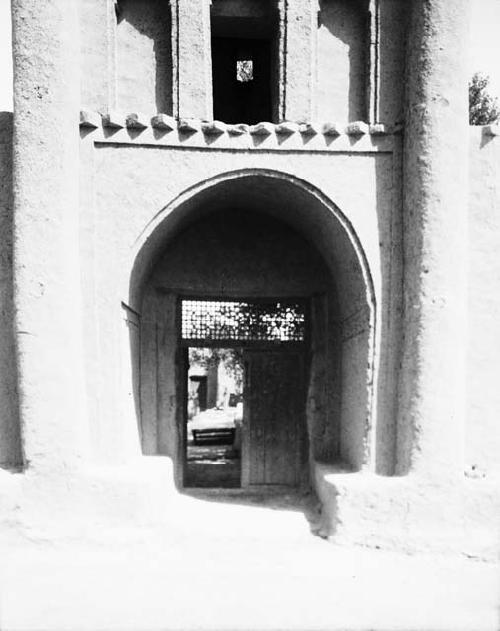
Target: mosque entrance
[243, 382]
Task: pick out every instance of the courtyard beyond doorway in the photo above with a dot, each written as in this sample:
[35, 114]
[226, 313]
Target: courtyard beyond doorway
[244, 415]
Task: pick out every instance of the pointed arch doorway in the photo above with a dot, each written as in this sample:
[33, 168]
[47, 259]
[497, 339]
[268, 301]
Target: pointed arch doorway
[263, 236]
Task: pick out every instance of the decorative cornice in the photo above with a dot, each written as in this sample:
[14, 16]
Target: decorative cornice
[162, 129]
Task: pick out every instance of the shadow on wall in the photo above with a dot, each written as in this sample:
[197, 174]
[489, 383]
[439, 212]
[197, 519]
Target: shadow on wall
[342, 59]
[390, 240]
[10, 433]
[144, 56]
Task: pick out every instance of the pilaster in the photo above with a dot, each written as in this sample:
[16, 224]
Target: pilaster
[373, 74]
[432, 386]
[192, 59]
[47, 318]
[299, 68]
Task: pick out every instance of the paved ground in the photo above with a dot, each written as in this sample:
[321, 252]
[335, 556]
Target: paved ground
[234, 566]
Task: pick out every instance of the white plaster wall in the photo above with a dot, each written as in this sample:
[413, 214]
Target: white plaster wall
[342, 61]
[132, 184]
[97, 54]
[342, 46]
[483, 358]
[143, 56]
[47, 295]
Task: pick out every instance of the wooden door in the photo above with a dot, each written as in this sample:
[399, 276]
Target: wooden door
[274, 445]
[182, 368]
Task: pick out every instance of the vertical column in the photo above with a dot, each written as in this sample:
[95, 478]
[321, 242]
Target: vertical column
[373, 74]
[46, 256]
[301, 26]
[431, 415]
[192, 58]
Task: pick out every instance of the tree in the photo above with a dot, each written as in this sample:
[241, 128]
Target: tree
[232, 358]
[483, 108]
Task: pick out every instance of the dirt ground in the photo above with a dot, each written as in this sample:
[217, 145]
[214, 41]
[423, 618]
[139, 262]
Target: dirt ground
[238, 565]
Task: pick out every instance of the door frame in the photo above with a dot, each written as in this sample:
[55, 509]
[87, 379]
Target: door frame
[182, 367]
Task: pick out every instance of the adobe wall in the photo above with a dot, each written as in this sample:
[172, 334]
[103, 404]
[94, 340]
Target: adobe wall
[143, 56]
[97, 54]
[130, 176]
[342, 61]
[128, 62]
[10, 445]
[346, 67]
[133, 174]
[483, 360]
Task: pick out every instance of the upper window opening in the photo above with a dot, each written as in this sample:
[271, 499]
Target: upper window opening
[244, 46]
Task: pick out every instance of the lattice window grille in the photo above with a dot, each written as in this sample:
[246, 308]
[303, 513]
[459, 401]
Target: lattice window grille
[246, 321]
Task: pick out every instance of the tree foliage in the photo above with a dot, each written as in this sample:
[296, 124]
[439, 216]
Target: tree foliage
[232, 358]
[483, 108]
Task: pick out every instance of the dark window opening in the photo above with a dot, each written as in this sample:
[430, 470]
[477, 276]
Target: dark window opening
[241, 72]
[245, 71]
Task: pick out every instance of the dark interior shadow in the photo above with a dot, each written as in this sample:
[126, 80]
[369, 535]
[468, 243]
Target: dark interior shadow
[347, 21]
[133, 323]
[11, 452]
[390, 238]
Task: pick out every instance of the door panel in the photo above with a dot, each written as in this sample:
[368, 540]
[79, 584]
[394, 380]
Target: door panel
[182, 367]
[274, 420]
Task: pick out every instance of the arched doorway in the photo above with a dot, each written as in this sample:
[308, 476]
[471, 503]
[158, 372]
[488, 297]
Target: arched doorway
[249, 237]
